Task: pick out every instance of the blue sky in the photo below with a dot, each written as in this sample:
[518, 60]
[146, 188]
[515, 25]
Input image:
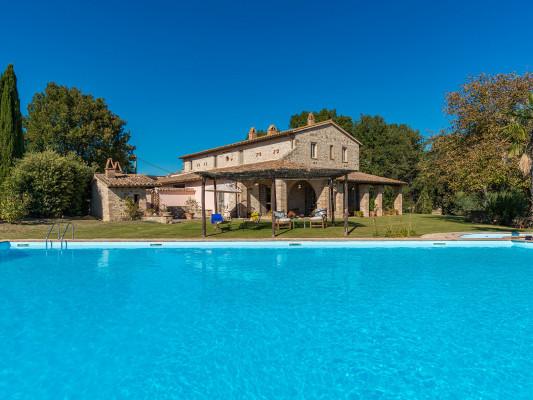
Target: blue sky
[192, 75]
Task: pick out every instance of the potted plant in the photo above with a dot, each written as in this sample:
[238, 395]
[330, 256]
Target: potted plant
[191, 207]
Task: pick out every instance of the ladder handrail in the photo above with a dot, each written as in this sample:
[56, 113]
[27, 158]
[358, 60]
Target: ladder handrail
[62, 239]
[47, 238]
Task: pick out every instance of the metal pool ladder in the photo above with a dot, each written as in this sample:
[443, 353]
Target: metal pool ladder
[60, 235]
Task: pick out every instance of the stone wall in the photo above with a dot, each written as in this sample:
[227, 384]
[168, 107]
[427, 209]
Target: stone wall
[246, 154]
[99, 207]
[324, 138]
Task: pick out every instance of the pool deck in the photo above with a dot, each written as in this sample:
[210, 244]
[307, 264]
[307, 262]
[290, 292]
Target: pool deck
[449, 236]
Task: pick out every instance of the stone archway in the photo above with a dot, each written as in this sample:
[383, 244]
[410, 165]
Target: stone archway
[301, 198]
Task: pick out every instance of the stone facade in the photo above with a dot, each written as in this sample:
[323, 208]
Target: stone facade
[107, 203]
[323, 145]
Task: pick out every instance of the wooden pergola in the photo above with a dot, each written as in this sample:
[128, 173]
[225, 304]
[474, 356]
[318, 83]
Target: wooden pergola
[272, 170]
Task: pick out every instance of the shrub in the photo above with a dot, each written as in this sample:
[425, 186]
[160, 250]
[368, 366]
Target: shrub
[55, 185]
[465, 204]
[504, 207]
[424, 205]
[13, 207]
[192, 205]
[131, 209]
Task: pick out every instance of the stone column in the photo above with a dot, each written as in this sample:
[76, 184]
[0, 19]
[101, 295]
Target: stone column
[398, 200]
[281, 195]
[364, 200]
[378, 201]
[337, 196]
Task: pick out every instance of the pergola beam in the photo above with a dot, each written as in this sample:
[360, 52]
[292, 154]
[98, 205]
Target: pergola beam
[345, 205]
[204, 222]
[273, 205]
[215, 195]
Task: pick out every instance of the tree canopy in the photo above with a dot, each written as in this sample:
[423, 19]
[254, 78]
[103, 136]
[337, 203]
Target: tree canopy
[473, 157]
[11, 136]
[389, 150]
[67, 121]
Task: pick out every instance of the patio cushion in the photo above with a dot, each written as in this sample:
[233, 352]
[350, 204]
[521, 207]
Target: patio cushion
[279, 214]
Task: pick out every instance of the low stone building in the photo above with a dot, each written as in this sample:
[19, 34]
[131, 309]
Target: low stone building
[111, 189]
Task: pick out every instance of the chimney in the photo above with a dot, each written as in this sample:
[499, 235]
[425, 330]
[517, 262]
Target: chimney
[272, 129]
[310, 119]
[251, 133]
[111, 168]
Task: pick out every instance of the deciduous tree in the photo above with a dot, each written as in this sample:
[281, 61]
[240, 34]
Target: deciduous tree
[65, 120]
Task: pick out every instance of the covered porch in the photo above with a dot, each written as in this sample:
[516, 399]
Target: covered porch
[366, 194]
[272, 174]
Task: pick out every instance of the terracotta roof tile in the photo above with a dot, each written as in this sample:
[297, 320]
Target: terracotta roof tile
[127, 180]
[361, 177]
[269, 137]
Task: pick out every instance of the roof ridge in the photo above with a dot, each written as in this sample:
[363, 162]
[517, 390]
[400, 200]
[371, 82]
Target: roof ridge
[265, 138]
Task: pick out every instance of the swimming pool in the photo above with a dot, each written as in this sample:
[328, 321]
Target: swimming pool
[420, 320]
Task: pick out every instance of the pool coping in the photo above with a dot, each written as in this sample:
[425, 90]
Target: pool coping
[448, 236]
[258, 244]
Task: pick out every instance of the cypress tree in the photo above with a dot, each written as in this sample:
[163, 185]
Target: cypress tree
[11, 138]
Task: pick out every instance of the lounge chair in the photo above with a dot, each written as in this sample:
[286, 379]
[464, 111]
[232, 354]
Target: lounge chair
[282, 220]
[253, 221]
[319, 218]
[220, 223]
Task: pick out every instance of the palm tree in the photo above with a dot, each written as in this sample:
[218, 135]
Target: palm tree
[520, 135]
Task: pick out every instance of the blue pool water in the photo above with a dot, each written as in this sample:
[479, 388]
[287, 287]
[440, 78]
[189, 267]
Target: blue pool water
[285, 323]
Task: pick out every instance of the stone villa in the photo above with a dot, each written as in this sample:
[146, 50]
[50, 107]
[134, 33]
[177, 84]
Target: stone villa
[305, 168]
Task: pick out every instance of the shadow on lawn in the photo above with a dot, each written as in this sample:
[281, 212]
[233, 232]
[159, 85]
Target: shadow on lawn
[267, 227]
[472, 226]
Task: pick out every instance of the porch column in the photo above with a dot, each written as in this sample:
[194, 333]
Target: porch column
[398, 200]
[215, 195]
[378, 201]
[364, 200]
[273, 205]
[237, 205]
[331, 202]
[204, 223]
[345, 204]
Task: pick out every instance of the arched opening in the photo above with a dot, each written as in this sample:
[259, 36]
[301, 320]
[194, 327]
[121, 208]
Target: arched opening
[301, 198]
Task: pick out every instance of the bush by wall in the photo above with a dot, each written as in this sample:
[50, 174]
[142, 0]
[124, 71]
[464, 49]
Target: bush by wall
[55, 185]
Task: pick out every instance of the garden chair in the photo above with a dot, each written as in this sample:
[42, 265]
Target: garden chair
[220, 223]
[319, 218]
[282, 220]
[254, 221]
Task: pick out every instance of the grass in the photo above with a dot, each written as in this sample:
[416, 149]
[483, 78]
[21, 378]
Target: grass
[359, 228]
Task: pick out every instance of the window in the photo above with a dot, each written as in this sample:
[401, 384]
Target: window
[314, 150]
[136, 198]
[344, 154]
[331, 157]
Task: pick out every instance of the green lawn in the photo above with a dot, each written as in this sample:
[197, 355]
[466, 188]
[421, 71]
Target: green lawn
[360, 228]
